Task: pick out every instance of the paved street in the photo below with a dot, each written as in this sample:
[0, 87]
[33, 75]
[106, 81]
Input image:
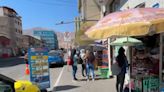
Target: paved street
[15, 68]
[66, 83]
[61, 78]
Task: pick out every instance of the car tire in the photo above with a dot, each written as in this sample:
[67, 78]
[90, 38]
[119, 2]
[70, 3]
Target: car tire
[44, 90]
[51, 66]
[61, 65]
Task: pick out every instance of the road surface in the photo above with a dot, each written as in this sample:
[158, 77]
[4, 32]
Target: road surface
[60, 77]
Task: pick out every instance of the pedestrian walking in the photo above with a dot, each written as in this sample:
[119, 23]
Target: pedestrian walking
[69, 60]
[74, 57]
[90, 64]
[83, 63]
[122, 62]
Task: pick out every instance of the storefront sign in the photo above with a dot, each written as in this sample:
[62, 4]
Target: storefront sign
[39, 68]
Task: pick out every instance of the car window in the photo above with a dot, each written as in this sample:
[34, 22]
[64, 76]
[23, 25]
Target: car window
[55, 52]
[4, 87]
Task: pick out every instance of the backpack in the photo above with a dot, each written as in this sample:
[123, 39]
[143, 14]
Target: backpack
[80, 61]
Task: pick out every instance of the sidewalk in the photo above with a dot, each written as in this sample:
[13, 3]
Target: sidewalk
[10, 58]
[66, 83]
[12, 61]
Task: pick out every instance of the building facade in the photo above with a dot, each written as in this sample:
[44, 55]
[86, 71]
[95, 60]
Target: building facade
[29, 41]
[125, 4]
[90, 13]
[89, 10]
[10, 32]
[49, 38]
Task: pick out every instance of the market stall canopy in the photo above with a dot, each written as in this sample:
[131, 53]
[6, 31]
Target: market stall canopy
[126, 41]
[81, 38]
[97, 47]
[132, 22]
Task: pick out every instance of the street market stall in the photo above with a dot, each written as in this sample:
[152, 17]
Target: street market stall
[147, 25]
[145, 64]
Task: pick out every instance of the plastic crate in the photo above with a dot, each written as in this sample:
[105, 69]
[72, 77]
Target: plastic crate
[104, 72]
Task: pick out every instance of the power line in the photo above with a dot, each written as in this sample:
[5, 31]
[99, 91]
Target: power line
[67, 2]
[52, 4]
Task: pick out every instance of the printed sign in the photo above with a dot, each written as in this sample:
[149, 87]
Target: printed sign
[39, 67]
[67, 36]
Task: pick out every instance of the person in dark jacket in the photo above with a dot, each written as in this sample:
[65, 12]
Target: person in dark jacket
[123, 64]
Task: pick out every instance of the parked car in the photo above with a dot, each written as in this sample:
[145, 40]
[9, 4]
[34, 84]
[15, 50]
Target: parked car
[10, 85]
[56, 57]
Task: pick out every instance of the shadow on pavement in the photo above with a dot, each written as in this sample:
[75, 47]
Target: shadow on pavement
[7, 62]
[55, 66]
[65, 87]
[95, 79]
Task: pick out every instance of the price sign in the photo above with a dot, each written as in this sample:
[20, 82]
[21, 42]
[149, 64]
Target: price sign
[39, 67]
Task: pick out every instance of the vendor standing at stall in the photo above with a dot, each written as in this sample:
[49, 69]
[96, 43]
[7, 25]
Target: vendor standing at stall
[123, 64]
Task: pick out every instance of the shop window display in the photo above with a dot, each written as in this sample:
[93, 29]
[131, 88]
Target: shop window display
[145, 65]
[162, 60]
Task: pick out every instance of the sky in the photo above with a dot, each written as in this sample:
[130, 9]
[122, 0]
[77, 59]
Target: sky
[45, 13]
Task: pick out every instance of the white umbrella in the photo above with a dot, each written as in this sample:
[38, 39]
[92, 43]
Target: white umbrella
[126, 41]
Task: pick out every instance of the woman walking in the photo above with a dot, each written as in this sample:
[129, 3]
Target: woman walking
[90, 64]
